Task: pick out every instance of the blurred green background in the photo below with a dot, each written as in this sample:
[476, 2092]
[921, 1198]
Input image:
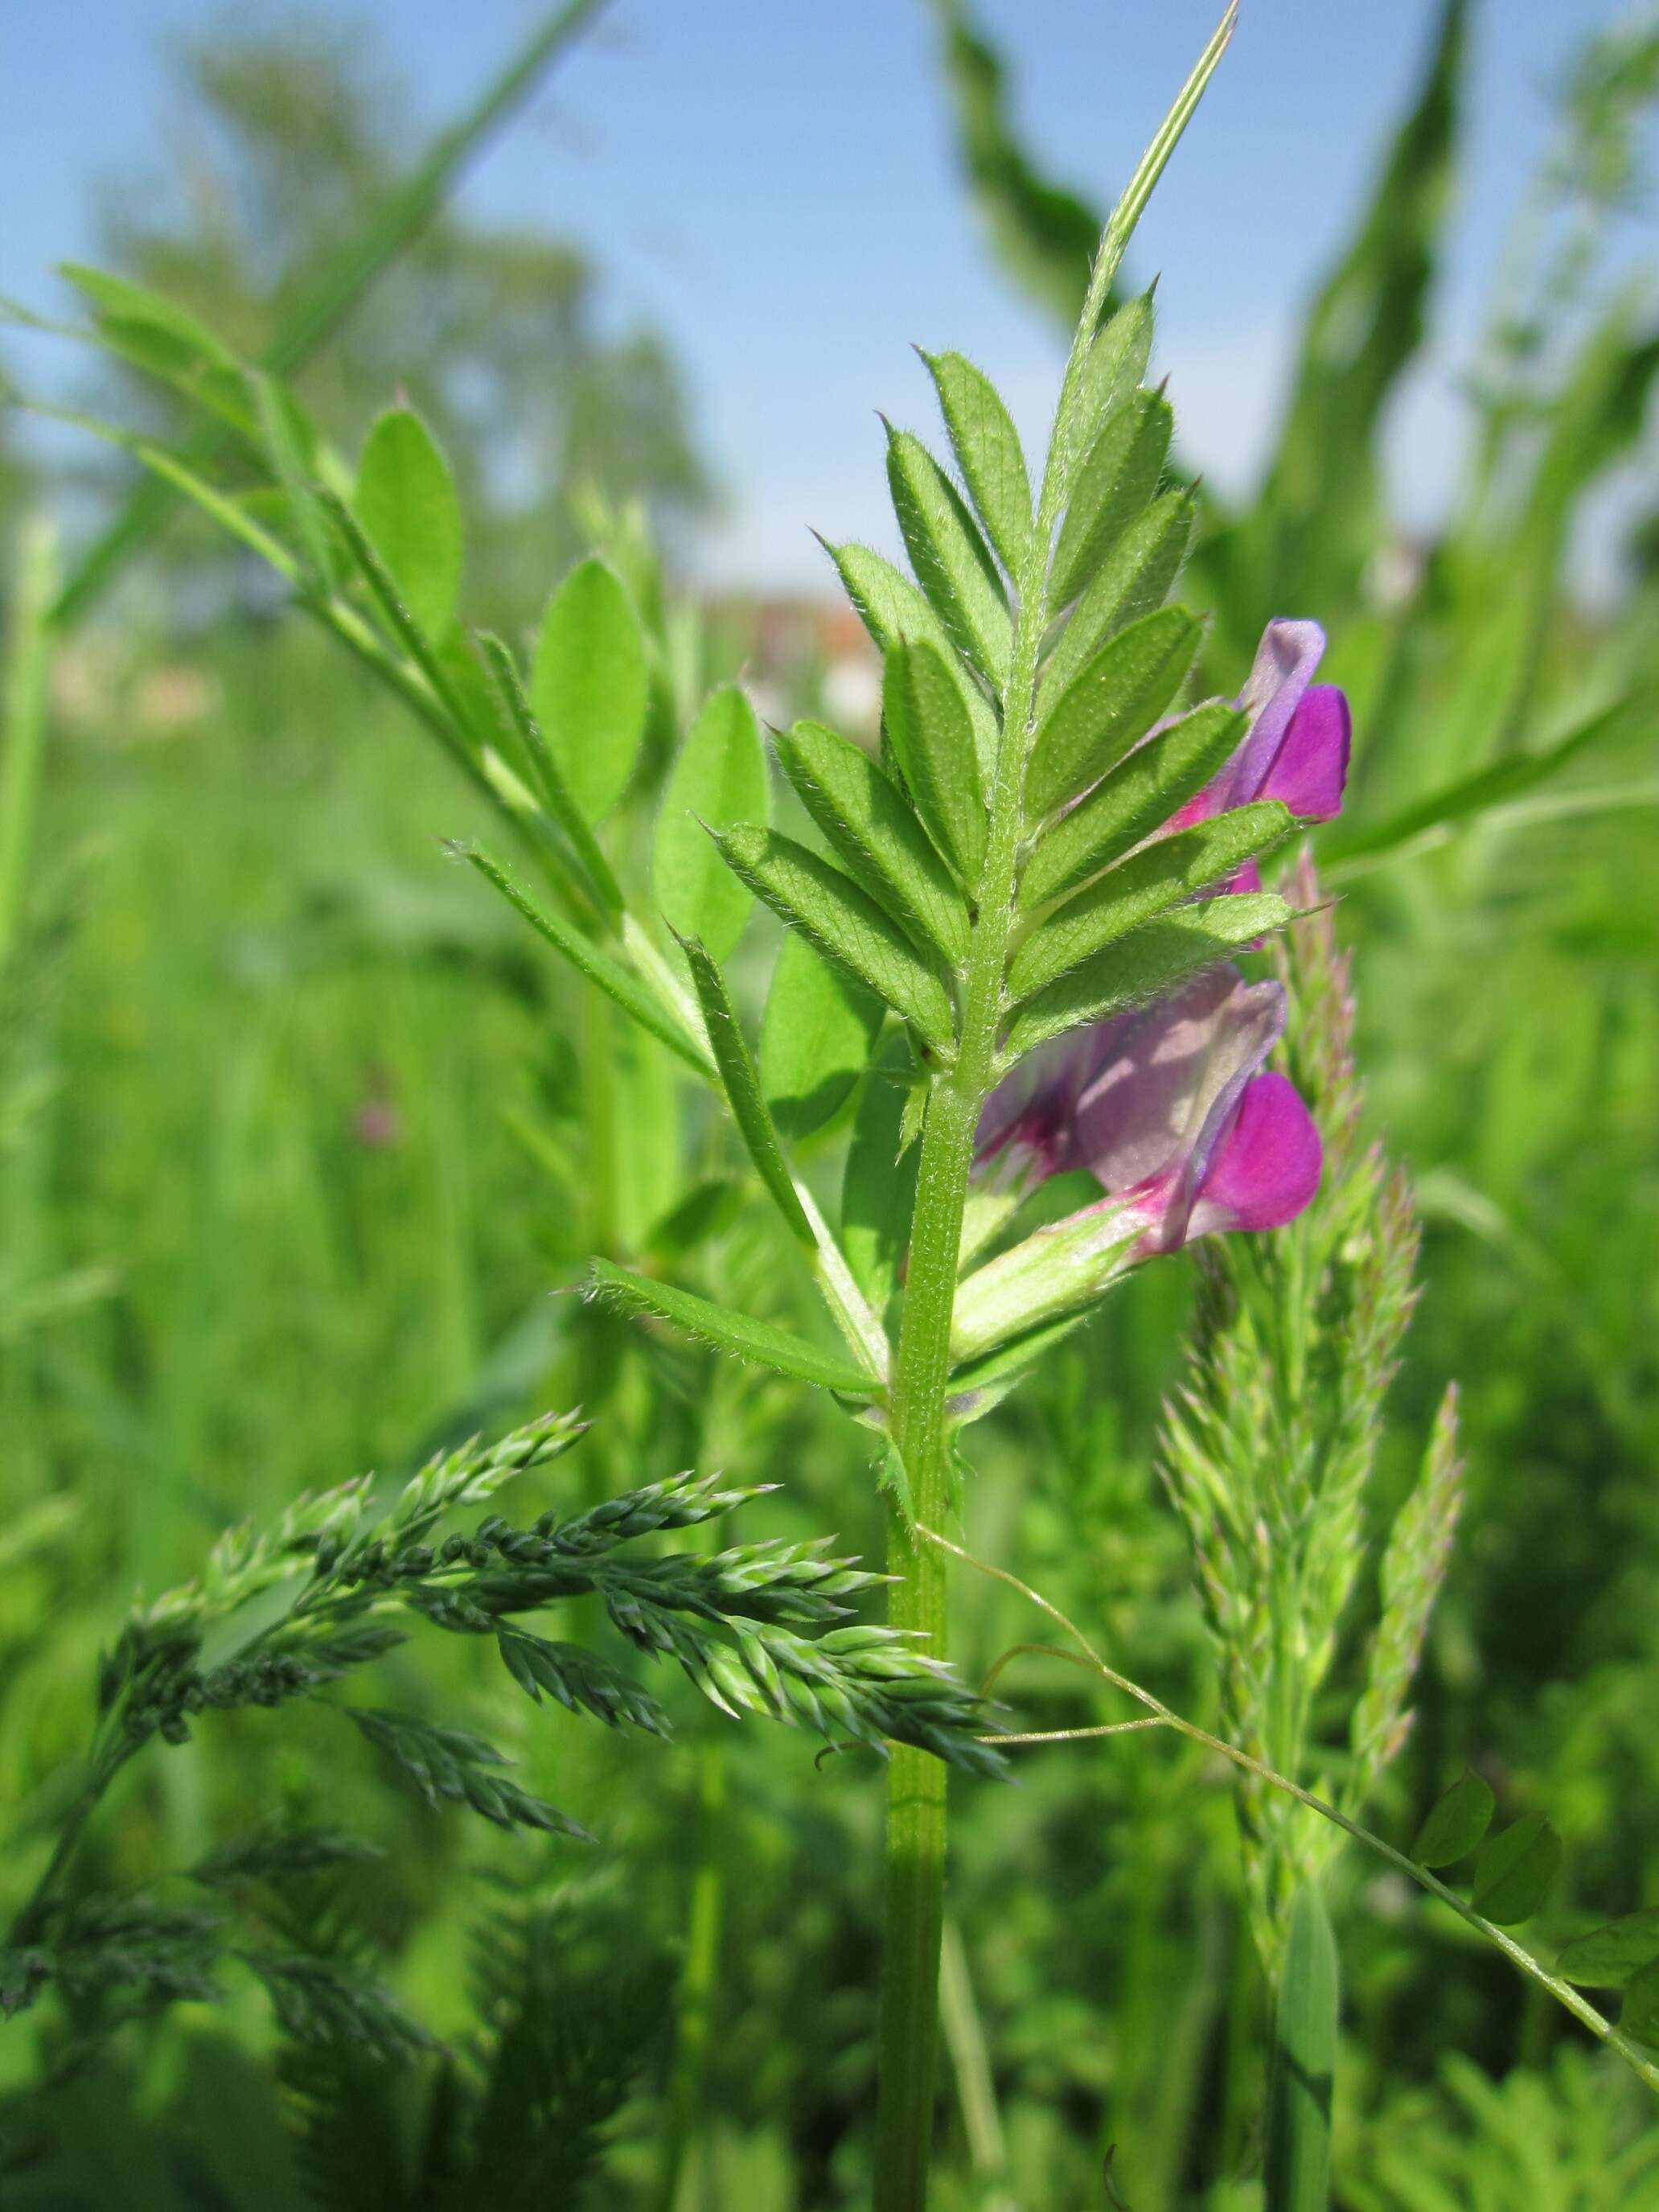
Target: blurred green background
[291, 1157]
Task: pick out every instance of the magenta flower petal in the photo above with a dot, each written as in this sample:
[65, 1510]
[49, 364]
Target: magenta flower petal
[1285, 660]
[1167, 1085]
[1267, 1167]
[1032, 1113]
[1297, 747]
[1311, 766]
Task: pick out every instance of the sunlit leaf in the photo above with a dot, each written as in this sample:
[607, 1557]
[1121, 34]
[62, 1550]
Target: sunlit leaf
[1166, 872]
[739, 1334]
[1114, 698]
[1113, 488]
[1133, 581]
[1149, 784]
[816, 1036]
[406, 501]
[589, 687]
[988, 450]
[844, 923]
[872, 827]
[933, 741]
[718, 778]
[953, 564]
[1150, 961]
[895, 612]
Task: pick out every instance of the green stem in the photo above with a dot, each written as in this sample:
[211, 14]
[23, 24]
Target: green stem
[699, 1980]
[920, 1433]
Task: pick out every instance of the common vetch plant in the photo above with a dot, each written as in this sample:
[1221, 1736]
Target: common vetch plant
[1011, 933]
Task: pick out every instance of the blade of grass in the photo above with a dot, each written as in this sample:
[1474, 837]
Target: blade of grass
[27, 659]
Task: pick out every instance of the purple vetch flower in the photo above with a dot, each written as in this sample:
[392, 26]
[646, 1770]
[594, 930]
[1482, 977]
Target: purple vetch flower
[1169, 1107]
[1166, 1109]
[1297, 751]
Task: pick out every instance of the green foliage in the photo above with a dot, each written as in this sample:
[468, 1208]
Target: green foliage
[739, 1334]
[1514, 1870]
[816, 1039]
[844, 923]
[1149, 963]
[953, 565]
[587, 686]
[932, 740]
[1273, 1445]
[988, 450]
[1456, 1822]
[1147, 883]
[406, 501]
[1609, 1957]
[208, 1293]
[869, 820]
[718, 778]
[1113, 699]
[741, 1082]
[1301, 2087]
[1116, 484]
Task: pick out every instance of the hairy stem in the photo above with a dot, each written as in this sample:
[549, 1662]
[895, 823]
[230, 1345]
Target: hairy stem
[916, 1784]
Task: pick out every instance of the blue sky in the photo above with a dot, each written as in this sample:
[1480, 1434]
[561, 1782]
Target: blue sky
[773, 185]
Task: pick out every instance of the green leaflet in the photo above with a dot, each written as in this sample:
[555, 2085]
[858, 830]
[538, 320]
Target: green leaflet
[811, 895]
[1456, 1822]
[743, 1090]
[1117, 361]
[933, 741]
[1133, 580]
[953, 562]
[1114, 484]
[1148, 785]
[816, 1037]
[870, 822]
[988, 450]
[1639, 2013]
[740, 1334]
[1151, 960]
[1297, 2165]
[893, 611]
[550, 784]
[1114, 698]
[879, 1186]
[589, 687]
[720, 778]
[115, 299]
[588, 960]
[1132, 893]
[1607, 1958]
[1514, 1870]
[405, 499]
